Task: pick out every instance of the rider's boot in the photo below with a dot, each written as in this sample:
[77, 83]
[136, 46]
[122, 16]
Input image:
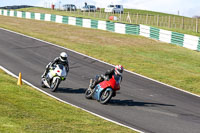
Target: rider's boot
[114, 93]
[92, 84]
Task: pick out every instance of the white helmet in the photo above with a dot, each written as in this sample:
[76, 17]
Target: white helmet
[119, 69]
[63, 56]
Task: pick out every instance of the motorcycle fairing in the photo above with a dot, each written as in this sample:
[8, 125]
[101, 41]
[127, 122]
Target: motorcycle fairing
[55, 71]
[51, 73]
[97, 92]
[113, 83]
[63, 72]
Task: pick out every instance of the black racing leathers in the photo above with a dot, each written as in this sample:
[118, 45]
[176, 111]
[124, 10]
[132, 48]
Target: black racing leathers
[109, 73]
[100, 78]
[58, 61]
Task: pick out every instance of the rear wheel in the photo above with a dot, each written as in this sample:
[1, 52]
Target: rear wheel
[54, 85]
[88, 93]
[106, 95]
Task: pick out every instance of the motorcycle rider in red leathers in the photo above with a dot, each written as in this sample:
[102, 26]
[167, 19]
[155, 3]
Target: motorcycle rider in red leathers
[118, 70]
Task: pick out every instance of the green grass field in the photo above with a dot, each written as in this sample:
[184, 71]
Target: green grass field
[26, 110]
[144, 12]
[170, 22]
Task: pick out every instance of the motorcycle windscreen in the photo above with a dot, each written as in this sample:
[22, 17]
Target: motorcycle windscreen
[117, 78]
[63, 73]
[61, 66]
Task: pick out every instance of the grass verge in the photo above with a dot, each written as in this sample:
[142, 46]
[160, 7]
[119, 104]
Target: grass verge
[164, 62]
[26, 110]
[175, 20]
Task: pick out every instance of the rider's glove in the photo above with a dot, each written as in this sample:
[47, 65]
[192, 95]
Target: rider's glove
[49, 65]
[104, 77]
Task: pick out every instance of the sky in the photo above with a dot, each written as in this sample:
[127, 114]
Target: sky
[187, 8]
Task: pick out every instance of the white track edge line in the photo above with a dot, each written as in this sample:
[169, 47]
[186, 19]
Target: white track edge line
[102, 62]
[12, 74]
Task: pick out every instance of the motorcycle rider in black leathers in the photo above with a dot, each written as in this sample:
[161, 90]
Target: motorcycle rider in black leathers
[118, 70]
[62, 59]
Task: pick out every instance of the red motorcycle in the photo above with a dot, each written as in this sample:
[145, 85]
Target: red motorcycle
[105, 90]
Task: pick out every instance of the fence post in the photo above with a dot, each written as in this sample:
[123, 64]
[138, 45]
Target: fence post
[100, 13]
[150, 20]
[182, 22]
[169, 24]
[132, 17]
[154, 19]
[120, 16]
[157, 20]
[197, 25]
[174, 23]
[192, 23]
[137, 19]
[147, 19]
[162, 21]
[128, 18]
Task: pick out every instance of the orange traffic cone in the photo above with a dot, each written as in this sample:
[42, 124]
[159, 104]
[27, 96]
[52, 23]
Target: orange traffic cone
[19, 82]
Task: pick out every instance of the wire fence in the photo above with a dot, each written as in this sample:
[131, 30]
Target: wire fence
[180, 39]
[169, 22]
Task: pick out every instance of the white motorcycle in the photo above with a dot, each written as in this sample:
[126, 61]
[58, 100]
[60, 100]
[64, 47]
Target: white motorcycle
[56, 74]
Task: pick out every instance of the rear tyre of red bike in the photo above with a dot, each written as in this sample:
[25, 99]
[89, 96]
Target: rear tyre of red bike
[88, 93]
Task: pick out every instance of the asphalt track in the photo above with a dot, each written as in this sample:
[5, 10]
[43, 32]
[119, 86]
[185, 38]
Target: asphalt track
[141, 103]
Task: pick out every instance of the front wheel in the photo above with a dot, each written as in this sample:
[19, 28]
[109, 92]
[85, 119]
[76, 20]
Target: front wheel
[106, 95]
[42, 83]
[54, 85]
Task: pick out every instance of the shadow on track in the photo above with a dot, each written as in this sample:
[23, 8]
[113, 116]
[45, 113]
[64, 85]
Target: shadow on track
[71, 90]
[117, 102]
